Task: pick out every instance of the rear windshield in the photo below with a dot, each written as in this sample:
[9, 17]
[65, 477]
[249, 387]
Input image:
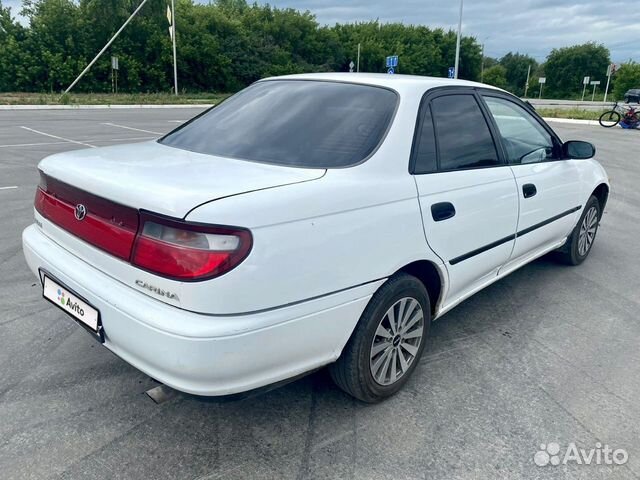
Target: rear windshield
[311, 124]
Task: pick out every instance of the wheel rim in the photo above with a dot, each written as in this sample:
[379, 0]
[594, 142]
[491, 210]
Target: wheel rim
[588, 230]
[396, 341]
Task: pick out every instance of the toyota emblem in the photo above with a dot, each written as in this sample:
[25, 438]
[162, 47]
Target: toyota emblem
[80, 212]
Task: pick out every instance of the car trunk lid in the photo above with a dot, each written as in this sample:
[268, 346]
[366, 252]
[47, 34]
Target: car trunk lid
[165, 180]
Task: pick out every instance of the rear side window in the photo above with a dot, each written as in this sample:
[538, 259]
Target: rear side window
[311, 124]
[464, 139]
[425, 152]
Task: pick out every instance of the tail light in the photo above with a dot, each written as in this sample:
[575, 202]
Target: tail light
[188, 251]
[172, 248]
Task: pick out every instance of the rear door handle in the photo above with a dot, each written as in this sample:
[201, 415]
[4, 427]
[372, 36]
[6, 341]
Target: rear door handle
[442, 211]
[529, 190]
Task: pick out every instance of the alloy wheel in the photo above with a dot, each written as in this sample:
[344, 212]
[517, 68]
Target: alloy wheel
[587, 232]
[396, 341]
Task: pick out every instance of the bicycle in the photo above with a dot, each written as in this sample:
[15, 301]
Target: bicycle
[629, 116]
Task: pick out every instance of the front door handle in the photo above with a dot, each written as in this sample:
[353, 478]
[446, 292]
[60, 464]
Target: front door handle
[442, 211]
[529, 190]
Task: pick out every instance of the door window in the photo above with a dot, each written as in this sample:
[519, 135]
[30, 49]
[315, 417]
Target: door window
[463, 136]
[524, 139]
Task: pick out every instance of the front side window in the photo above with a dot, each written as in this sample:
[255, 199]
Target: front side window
[524, 139]
[463, 136]
[312, 124]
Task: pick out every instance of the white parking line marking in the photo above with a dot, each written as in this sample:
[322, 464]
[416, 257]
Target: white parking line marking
[17, 145]
[9, 188]
[176, 121]
[59, 138]
[32, 144]
[131, 128]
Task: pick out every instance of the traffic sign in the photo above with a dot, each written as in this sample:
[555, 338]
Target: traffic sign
[351, 65]
[391, 71]
[595, 82]
[392, 61]
[114, 63]
[542, 80]
[585, 80]
[452, 72]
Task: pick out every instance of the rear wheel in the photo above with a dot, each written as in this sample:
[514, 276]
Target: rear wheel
[609, 119]
[583, 236]
[388, 341]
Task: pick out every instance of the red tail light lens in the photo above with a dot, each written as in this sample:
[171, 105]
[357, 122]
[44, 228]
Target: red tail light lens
[188, 251]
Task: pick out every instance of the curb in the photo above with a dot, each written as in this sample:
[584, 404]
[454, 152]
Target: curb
[593, 123]
[100, 107]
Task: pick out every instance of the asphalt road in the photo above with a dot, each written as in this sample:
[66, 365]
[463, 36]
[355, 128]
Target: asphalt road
[549, 354]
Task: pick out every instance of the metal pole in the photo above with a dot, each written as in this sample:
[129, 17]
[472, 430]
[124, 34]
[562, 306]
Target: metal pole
[584, 89]
[358, 61]
[457, 63]
[482, 66]
[526, 85]
[105, 47]
[594, 92]
[606, 90]
[540, 96]
[173, 36]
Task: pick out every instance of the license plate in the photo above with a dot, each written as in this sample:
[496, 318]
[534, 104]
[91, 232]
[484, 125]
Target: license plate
[65, 299]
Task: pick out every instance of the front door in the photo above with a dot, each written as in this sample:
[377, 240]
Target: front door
[548, 187]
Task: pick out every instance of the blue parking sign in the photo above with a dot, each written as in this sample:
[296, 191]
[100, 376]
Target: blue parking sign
[392, 61]
[452, 72]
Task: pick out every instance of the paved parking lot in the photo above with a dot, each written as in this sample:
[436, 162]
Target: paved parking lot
[549, 354]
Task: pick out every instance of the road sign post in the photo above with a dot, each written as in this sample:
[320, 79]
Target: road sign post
[585, 82]
[541, 81]
[611, 69]
[595, 84]
[351, 65]
[452, 72]
[114, 74]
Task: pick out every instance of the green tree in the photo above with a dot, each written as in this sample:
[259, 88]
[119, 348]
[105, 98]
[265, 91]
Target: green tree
[566, 67]
[517, 65]
[496, 76]
[627, 77]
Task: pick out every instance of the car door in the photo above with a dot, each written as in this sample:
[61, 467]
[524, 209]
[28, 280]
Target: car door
[548, 187]
[467, 193]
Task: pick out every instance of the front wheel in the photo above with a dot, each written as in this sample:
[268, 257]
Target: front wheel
[609, 119]
[579, 243]
[386, 345]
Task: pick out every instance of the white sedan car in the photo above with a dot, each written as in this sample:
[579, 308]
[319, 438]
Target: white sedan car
[309, 220]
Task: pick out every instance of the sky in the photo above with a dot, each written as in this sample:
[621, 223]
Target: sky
[526, 26]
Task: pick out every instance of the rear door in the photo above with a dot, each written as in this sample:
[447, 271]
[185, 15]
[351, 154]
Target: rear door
[548, 186]
[467, 193]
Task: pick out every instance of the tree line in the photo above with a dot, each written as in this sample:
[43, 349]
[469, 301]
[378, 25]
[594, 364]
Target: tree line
[227, 44]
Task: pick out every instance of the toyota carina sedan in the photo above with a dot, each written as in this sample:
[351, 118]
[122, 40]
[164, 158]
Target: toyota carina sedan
[309, 220]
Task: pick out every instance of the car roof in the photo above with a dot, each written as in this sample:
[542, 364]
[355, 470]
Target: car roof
[400, 83]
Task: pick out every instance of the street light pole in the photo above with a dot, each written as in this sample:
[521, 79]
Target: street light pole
[173, 37]
[482, 66]
[455, 73]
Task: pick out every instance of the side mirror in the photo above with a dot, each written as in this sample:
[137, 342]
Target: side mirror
[578, 150]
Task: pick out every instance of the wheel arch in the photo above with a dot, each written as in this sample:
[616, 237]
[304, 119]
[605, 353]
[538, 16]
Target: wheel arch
[601, 192]
[431, 276]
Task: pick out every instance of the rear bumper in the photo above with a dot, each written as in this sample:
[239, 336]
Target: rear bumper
[205, 354]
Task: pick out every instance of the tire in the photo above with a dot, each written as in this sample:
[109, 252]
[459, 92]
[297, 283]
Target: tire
[354, 371]
[580, 242]
[609, 119]
[627, 100]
